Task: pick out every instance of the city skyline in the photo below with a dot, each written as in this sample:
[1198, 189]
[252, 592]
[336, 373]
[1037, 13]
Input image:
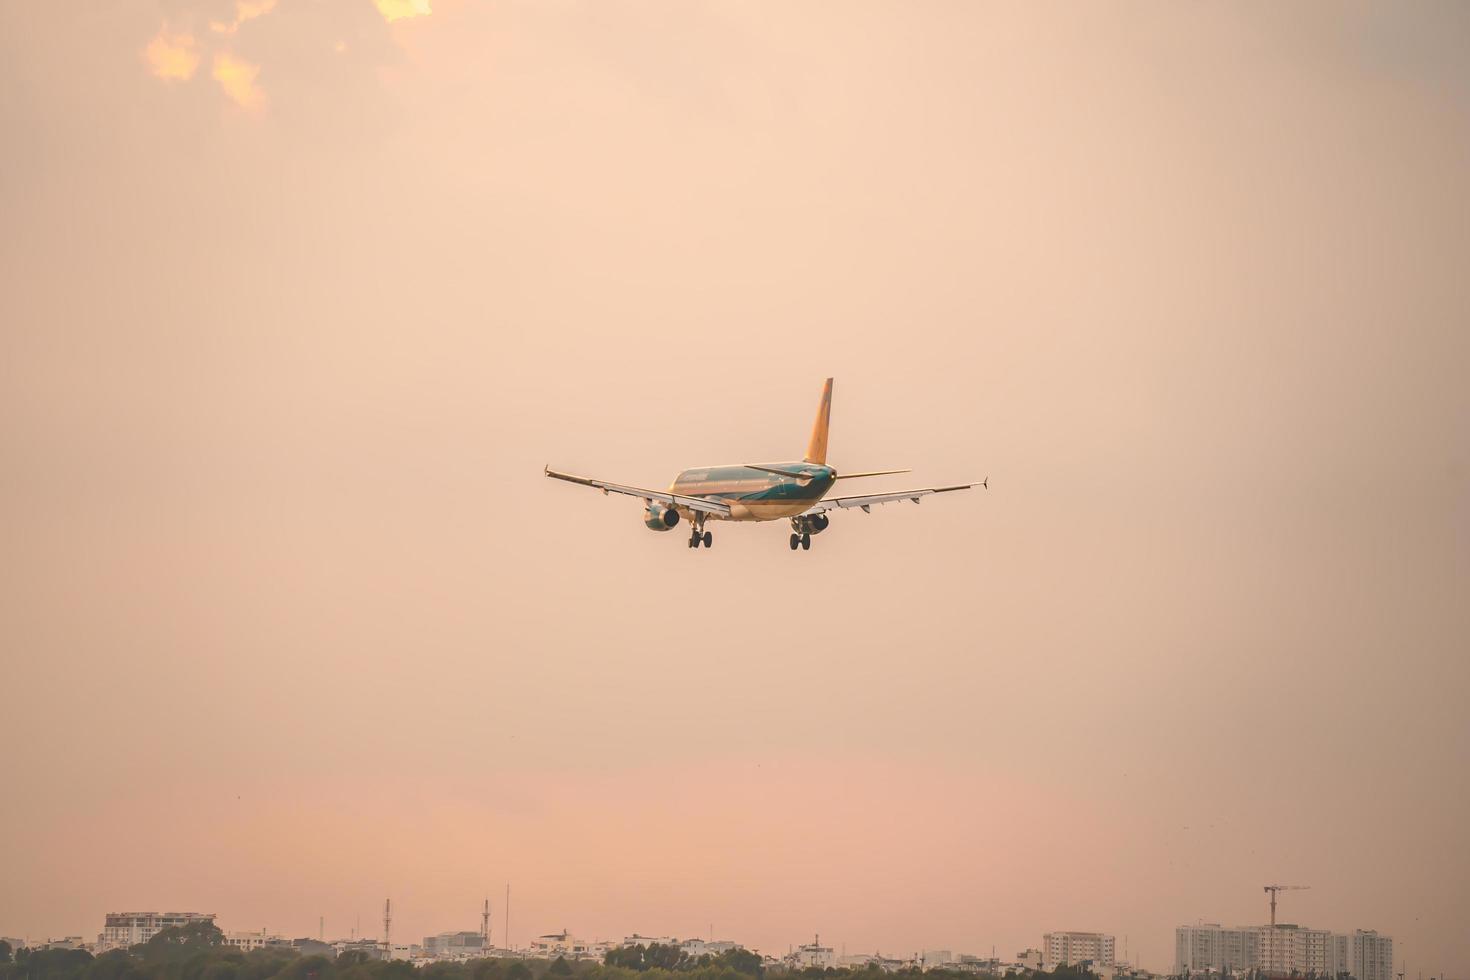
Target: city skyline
[1102, 947]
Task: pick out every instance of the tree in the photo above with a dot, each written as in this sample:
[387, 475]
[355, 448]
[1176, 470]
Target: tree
[114, 965]
[741, 961]
[177, 943]
[627, 957]
[663, 956]
[561, 968]
[51, 964]
[518, 971]
[307, 968]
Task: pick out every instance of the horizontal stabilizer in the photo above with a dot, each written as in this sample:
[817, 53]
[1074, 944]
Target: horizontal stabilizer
[716, 507]
[854, 476]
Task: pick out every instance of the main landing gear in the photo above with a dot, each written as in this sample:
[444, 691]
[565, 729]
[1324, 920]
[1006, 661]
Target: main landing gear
[802, 529]
[699, 536]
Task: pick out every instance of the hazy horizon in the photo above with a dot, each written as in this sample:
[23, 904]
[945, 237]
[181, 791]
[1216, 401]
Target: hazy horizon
[297, 298]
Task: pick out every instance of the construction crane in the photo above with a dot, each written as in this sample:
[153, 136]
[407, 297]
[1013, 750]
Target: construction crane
[1273, 889]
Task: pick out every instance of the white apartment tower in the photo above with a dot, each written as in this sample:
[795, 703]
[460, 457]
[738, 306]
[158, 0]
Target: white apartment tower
[1073, 948]
[1370, 956]
[122, 929]
[1285, 949]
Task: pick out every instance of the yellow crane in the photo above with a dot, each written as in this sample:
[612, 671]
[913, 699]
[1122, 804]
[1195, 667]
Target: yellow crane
[1273, 889]
[1273, 958]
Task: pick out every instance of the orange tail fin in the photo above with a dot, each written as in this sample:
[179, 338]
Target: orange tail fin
[816, 449]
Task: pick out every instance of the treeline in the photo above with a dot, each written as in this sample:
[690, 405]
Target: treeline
[197, 952]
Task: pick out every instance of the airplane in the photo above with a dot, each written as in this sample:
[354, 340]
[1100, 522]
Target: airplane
[761, 491]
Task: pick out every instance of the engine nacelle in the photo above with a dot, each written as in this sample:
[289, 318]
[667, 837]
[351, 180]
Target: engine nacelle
[818, 523]
[658, 517]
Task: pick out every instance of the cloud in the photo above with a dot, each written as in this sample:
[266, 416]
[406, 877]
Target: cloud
[244, 10]
[237, 77]
[400, 9]
[172, 55]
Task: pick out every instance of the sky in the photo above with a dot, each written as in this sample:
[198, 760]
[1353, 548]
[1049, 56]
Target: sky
[297, 298]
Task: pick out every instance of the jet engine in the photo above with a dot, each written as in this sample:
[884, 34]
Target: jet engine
[658, 517]
[818, 523]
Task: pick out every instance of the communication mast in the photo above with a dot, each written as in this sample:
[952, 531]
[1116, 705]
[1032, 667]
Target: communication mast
[387, 928]
[485, 926]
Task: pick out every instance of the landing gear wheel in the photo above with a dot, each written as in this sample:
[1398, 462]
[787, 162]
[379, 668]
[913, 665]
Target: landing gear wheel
[795, 541]
[694, 540]
[709, 539]
[806, 541]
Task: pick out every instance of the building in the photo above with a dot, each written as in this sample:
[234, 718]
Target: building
[370, 948]
[859, 961]
[1370, 956]
[1076, 948]
[970, 963]
[1030, 959]
[1209, 948]
[247, 941]
[454, 945]
[563, 943]
[637, 940]
[934, 958]
[1122, 971]
[813, 954]
[123, 929]
[1283, 949]
[307, 946]
[695, 948]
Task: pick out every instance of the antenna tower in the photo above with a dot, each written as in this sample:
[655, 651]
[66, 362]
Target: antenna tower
[485, 926]
[388, 928]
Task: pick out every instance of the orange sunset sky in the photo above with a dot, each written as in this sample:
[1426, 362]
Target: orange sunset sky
[297, 297]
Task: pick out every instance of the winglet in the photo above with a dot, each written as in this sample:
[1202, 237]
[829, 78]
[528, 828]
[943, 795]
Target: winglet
[985, 483]
[816, 449]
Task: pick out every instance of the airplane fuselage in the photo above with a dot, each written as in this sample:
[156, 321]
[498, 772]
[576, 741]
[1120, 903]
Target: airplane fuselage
[758, 494]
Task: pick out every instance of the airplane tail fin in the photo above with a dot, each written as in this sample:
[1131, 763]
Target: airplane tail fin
[816, 449]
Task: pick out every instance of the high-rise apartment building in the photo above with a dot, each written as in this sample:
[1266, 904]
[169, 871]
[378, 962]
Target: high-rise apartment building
[1284, 949]
[1073, 948]
[1370, 956]
[129, 928]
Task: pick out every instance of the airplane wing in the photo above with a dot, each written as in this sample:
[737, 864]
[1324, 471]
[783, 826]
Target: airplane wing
[662, 496]
[867, 500]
